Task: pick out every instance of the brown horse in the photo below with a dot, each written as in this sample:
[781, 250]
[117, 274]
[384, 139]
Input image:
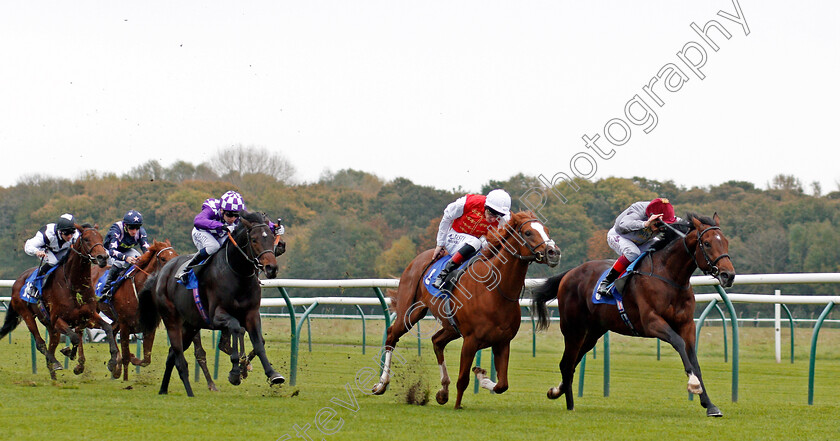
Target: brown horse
[486, 311]
[229, 296]
[658, 300]
[69, 302]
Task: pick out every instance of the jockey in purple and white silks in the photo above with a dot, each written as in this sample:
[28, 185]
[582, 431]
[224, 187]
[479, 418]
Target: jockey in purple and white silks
[211, 226]
[636, 229]
[122, 242]
[51, 243]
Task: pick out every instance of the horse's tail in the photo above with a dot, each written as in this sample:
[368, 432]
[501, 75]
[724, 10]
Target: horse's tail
[541, 294]
[11, 322]
[149, 317]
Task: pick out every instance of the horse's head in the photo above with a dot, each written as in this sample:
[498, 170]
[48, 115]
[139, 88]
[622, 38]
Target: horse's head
[89, 245]
[157, 255]
[260, 241]
[526, 238]
[711, 248]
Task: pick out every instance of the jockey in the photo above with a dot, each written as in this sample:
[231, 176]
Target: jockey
[464, 224]
[636, 229]
[51, 243]
[122, 241]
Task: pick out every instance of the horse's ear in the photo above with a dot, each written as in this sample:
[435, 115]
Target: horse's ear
[95, 226]
[716, 219]
[697, 224]
[78, 227]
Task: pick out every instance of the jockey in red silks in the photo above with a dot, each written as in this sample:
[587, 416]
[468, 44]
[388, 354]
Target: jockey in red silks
[636, 229]
[464, 224]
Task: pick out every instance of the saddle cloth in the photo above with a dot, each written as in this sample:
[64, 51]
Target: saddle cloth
[38, 282]
[615, 289]
[434, 270]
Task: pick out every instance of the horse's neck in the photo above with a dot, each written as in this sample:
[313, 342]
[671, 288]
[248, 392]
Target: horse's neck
[678, 264]
[78, 273]
[235, 258]
[509, 270]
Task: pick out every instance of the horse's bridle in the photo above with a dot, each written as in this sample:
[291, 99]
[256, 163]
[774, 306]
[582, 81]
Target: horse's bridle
[255, 261]
[88, 254]
[535, 256]
[712, 269]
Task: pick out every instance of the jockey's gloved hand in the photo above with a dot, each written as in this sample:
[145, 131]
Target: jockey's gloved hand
[231, 228]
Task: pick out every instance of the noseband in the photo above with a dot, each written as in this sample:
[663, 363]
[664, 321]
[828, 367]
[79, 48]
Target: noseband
[535, 256]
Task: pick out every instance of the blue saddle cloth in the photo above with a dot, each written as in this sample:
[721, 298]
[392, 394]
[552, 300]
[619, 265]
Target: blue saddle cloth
[434, 270]
[192, 279]
[36, 280]
[100, 284]
[614, 294]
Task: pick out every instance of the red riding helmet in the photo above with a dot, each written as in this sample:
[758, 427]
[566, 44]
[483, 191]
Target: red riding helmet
[661, 206]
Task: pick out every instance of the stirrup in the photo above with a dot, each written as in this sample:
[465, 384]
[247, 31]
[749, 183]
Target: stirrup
[439, 281]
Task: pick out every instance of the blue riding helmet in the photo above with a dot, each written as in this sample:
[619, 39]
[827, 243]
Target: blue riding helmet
[133, 218]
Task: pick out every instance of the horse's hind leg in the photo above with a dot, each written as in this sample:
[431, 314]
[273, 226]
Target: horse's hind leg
[439, 341]
[148, 343]
[576, 347]
[201, 359]
[406, 319]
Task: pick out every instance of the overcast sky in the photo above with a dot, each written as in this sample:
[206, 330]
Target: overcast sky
[445, 93]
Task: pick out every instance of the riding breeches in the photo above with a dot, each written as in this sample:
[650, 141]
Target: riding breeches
[626, 247]
[131, 252]
[454, 241]
[204, 240]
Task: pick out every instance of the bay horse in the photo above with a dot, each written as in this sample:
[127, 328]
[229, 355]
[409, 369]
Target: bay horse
[229, 296]
[486, 312]
[658, 300]
[69, 303]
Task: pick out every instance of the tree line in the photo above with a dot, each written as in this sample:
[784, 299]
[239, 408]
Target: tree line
[354, 224]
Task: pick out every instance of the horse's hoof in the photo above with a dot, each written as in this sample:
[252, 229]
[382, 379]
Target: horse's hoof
[234, 379]
[379, 388]
[112, 366]
[713, 411]
[212, 387]
[67, 351]
[276, 379]
[442, 396]
[79, 369]
[57, 367]
[554, 393]
[479, 371]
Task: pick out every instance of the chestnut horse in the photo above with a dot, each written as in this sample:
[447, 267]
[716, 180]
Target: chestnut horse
[658, 300]
[69, 303]
[229, 296]
[486, 311]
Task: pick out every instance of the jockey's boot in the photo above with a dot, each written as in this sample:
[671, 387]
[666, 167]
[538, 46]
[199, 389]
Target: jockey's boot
[107, 287]
[31, 289]
[197, 258]
[602, 288]
[441, 277]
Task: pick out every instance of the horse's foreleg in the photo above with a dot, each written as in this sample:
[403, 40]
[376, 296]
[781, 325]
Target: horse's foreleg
[468, 350]
[52, 363]
[201, 359]
[124, 357]
[98, 322]
[667, 334]
[501, 357]
[80, 348]
[407, 317]
[439, 341]
[223, 320]
[254, 327]
[688, 335]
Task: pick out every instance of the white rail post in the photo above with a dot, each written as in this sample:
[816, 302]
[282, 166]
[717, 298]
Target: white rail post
[778, 325]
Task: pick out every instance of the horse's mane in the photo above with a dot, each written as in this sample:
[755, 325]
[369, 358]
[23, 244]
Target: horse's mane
[154, 248]
[499, 235]
[684, 226]
[87, 225]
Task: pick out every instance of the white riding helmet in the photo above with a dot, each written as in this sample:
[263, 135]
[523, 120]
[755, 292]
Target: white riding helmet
[498, 200]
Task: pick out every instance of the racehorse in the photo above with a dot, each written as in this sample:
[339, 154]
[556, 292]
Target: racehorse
[122, 305]
[486, 311]
[229, 296]
[69, 303]
[658, 300]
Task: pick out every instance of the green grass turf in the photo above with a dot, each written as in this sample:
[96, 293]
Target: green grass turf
[648, 398]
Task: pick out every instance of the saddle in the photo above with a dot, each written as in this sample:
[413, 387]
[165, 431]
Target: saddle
[99, 288]
[38, 282]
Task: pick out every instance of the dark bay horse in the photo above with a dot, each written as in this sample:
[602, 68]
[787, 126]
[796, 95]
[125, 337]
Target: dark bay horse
[486, 303]
[229, 297]
[658, 300]
[69, 303]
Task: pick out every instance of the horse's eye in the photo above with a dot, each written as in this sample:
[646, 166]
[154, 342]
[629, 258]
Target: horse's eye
[528, 233]
[707, 244]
